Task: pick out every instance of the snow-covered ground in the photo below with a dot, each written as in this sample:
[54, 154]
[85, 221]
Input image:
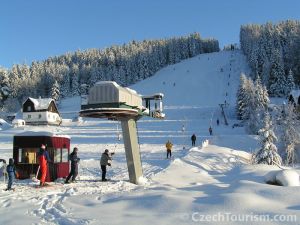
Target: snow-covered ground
[209, 184]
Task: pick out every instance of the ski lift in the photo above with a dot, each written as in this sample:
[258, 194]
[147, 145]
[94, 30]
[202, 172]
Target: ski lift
[157, 112]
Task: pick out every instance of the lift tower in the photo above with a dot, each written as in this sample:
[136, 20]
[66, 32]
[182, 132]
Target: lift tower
[109, 100]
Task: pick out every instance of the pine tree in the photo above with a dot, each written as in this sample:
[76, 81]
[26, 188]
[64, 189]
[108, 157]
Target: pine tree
[267, 154]
[290, 85]
[241, 97]
[249, 100]
[257, 106]
[261, 95]
[55, 93]
[290, 136]
[4, 86]
[277, 76]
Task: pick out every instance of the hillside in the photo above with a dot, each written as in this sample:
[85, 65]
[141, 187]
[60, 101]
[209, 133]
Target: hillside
[200, 81]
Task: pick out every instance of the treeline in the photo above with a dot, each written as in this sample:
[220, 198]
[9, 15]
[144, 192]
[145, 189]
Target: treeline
[273, 53]
[269, 123]
[62, 76]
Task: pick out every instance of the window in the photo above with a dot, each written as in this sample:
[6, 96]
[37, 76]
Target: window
[20, 155]
[29, 116]
[57, 155]
[64, 155]
[28, 155]
[29, 108]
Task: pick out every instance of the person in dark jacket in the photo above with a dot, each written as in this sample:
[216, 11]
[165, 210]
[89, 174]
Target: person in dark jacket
[210, 130]
[74, 165]
[43, 161]
[193, 138]
[11, 171]
[105, 161]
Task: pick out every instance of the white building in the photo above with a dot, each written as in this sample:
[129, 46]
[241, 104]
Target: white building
[42, 111]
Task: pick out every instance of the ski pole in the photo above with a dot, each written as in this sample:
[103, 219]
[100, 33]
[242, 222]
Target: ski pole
[37, 172]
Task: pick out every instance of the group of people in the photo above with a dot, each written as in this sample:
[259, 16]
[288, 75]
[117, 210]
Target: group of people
[105, 161]
[9, 171]
[169, 145]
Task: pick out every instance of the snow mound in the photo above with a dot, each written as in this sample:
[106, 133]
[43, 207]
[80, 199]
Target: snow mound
[143, 181]
[205, 143]
[288, 178]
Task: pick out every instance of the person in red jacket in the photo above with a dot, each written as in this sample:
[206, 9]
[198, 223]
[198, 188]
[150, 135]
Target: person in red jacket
[43, 161]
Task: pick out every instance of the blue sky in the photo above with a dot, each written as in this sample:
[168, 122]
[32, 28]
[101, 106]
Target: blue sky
[35, 30]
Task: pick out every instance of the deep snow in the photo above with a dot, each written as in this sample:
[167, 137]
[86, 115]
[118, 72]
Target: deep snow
[214, 179]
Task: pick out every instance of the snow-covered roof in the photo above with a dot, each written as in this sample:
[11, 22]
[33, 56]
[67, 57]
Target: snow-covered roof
[108, 82]
[41, 133]
[131, 90]
[154, 96]
[41, 103]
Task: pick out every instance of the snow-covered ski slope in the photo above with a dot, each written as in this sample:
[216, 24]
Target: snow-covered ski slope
[213, 180]
[205, 80]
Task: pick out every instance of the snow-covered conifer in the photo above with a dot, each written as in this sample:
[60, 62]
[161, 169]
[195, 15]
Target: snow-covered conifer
[55, 91]
[277, 77]
[290, 134]
[290, 84]
[241, 96]
[267, 154]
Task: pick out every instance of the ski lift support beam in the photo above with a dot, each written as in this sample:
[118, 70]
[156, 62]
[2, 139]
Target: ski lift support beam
[223, 113]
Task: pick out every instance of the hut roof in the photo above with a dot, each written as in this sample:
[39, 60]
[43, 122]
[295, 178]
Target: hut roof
[41, 133]
[41, 103]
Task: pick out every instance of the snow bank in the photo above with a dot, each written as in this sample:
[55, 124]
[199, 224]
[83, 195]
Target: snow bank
[205, 143]
[286, 177]
[143, 181]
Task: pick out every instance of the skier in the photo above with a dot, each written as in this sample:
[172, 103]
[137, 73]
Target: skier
[169, 146]
[218, 122]
[210, 130]
[193, 138]
[105, 161]
[183, 128]
[43, 161]
[11, 171]
[74, 165]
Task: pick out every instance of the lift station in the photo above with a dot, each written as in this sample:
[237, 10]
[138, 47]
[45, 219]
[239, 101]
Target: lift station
[107, 99]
